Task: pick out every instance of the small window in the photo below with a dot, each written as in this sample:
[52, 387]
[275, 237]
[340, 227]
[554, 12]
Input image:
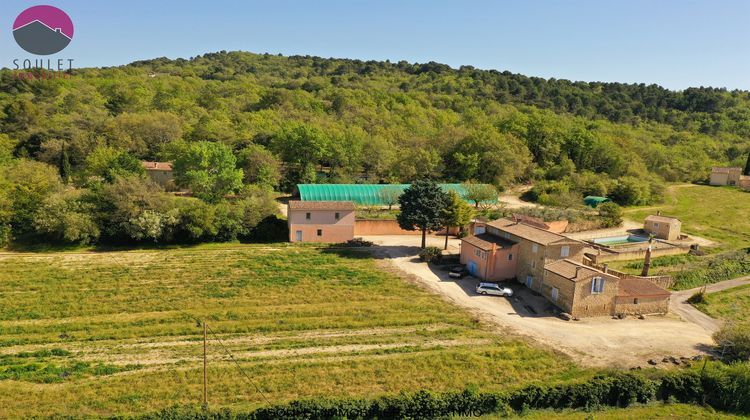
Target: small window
[635, 301]
[510, 257]
[533, 264]
[478, 253]
[307, 216]
[320, 232]
[555, 293]
[656, 226]
[597, 285]
[565, 251]
[535, 248]
[507, 235]
[337, 216]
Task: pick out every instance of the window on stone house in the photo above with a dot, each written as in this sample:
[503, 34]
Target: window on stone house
[534, 248]
[597, 285]
[307, 216]
[320, 232]
[565, 251]
[337, 216]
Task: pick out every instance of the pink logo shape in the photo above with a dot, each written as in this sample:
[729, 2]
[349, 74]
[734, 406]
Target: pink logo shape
[50, 16]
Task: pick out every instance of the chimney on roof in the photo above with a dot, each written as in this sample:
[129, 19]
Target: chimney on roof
[58, 30]
[578, 269]
[658, 212]
[605, 269]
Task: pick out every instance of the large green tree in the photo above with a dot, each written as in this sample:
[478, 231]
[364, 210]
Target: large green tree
[421, 206]
[208, 170]
[479, 193]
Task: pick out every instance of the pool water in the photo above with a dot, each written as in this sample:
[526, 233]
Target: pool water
[620, 240]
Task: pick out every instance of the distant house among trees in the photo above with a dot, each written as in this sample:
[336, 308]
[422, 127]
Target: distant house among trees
[161, 173]
[729, 176]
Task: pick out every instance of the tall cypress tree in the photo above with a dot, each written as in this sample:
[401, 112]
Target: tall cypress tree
[64, 165]
[747, 165]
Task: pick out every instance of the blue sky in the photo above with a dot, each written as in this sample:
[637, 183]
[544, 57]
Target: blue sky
[675, 43]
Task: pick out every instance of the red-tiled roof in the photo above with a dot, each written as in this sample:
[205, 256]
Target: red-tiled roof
[725, 170]
[531, 221]
[571, 270]
[662, 219]
[157, 166]
[531, 233]
[321, 205]
[484, 241]
[634, 287]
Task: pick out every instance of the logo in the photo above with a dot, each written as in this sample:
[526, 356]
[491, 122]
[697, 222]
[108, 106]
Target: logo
[43, 30]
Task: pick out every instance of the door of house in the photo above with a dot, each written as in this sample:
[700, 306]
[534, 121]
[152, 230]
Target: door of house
[298, 236]
[472, 268]
[529, 281]
[555, 292]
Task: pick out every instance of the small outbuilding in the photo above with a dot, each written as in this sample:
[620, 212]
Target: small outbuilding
[725, 175]
[321, 221]
[663, 227]
[594, 201]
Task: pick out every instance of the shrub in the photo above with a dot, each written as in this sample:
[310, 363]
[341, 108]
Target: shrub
[699, 297]
[734, 342]
[270, 229]
[431, 254]
[65, 217]
[611, 214]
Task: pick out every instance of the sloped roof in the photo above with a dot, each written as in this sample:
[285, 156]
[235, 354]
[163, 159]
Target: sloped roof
[571, 270]
[321, 205]
[156, 166]
[363, 194]
[724, 169]
[528, 232]
[635, 287]
[662, 219]
[484, 241]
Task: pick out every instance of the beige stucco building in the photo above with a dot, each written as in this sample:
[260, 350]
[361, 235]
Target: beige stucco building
[321, 221]
[663, 227]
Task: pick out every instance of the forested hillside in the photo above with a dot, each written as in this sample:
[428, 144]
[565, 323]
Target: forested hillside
[333, 120]
[245, 123]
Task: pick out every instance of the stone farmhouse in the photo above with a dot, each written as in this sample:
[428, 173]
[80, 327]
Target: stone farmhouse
[321, 221]
[160, 173]
[552, 265]
[729, 176]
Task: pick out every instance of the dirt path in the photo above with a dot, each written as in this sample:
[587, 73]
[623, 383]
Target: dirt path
[593, 341]
[679, 305]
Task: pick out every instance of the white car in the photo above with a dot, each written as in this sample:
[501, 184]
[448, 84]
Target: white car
[493, 289]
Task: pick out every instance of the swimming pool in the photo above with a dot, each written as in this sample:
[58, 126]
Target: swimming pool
[619, 240]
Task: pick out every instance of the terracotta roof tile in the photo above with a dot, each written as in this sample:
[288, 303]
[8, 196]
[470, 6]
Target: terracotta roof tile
[663, 219]
[157, 166]
[571, 270]
[484, 241]
[633, 287]
[725, 170]
[321, 205]
[525, 231]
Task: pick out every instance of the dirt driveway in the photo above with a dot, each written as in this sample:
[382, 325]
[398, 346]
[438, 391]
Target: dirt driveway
[592, 341]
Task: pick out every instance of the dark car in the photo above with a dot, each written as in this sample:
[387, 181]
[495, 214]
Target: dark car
[459, 272]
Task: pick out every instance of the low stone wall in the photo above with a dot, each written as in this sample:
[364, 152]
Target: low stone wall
[644, 306]
[665, 282]
[367, 227]
[624, 254]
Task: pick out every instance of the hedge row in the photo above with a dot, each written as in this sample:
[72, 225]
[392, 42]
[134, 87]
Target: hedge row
[724, 388]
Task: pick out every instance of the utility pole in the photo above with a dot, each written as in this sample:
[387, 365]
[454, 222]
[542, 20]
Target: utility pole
[205, 365]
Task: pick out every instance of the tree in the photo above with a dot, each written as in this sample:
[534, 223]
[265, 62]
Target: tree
[747, 165]
[107, 163]
[421, 207]
[64, 217]
[479, 193]
[611, 214]
[64, 164]
[30, 184]
[390, 195]
[208, 170]
[261, 167]
[457, 212]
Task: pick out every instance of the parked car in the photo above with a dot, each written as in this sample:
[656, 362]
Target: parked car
[493, 289]
[459, 272]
